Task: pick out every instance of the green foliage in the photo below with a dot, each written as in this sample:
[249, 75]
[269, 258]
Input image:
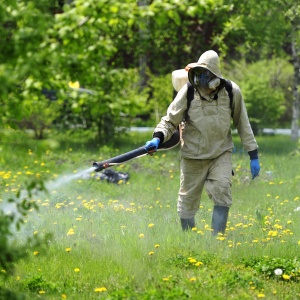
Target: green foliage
[107, 110]
[38, 283]
[181, 30]
[23, 29]
[47, 49]
[267, 265]
[161, 91]
[266, 88]
[256, 31]
[12, 216]
[6, 294]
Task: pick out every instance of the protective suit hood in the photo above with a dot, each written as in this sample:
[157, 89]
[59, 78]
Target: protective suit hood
[209, 60]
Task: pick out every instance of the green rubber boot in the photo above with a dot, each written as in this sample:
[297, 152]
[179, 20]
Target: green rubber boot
[219, 219]
[187, 224]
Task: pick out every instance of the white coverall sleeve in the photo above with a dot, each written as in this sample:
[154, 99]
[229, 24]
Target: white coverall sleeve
[241, 120]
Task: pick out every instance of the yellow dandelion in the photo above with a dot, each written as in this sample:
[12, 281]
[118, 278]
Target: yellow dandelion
[260, 295]
[286, 277]
[156, 245]
[74, 85]
[68, 249]
[273, 233]
[71, 231]
[150, 225]
[192, 279]
[100, 289]
[151, 253]
[42, 292]
[166, 278]
[141, 235]
[64, 296]
[76, 270]
[35, 232]
[36, 253]
[194, 229]
[198, 263]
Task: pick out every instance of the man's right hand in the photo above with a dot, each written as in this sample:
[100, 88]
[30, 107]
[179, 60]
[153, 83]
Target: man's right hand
[152, 146]
[255, 167]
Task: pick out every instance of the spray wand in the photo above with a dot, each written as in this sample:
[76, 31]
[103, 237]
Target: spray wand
[141, 151]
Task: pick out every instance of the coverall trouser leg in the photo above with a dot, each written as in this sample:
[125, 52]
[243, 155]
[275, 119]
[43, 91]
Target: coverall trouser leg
[214, 174]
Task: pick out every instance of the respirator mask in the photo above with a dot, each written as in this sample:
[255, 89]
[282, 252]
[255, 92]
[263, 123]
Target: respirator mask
[205, 79]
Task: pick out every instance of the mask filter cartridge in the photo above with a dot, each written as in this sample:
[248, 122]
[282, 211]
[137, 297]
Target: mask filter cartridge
[213, 84]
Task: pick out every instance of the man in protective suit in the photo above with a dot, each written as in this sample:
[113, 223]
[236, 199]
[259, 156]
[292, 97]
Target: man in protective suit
[207, 144]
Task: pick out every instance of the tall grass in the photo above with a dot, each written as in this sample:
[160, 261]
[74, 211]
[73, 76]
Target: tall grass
[124, 241]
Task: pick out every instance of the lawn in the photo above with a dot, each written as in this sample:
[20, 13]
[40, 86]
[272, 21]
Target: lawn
[124, 241]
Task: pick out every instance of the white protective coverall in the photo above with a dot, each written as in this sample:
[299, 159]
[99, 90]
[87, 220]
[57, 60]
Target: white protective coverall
[206, 139]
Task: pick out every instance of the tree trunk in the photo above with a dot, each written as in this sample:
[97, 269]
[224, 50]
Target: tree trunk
[296, 63]
[143, 59]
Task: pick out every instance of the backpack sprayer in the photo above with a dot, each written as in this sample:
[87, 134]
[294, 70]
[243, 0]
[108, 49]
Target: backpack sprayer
[141, 151]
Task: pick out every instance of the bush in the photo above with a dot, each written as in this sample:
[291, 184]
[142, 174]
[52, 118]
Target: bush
[11, 218]
[266, 90]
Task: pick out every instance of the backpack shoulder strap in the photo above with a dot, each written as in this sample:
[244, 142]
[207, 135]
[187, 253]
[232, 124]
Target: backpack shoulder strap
[190, 93]
[228, 87]
[190, 97]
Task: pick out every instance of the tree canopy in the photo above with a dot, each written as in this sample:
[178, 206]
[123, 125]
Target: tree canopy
[111, 50]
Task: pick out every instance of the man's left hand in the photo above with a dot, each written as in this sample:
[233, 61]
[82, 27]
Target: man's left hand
[255, 167]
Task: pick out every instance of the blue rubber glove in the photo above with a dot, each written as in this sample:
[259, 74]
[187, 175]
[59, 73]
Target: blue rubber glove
[255, 167]
[152, 146]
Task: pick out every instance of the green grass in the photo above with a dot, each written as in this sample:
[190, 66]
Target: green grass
[126, 239]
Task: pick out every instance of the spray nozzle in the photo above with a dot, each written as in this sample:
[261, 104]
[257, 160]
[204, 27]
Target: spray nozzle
[99, 166]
